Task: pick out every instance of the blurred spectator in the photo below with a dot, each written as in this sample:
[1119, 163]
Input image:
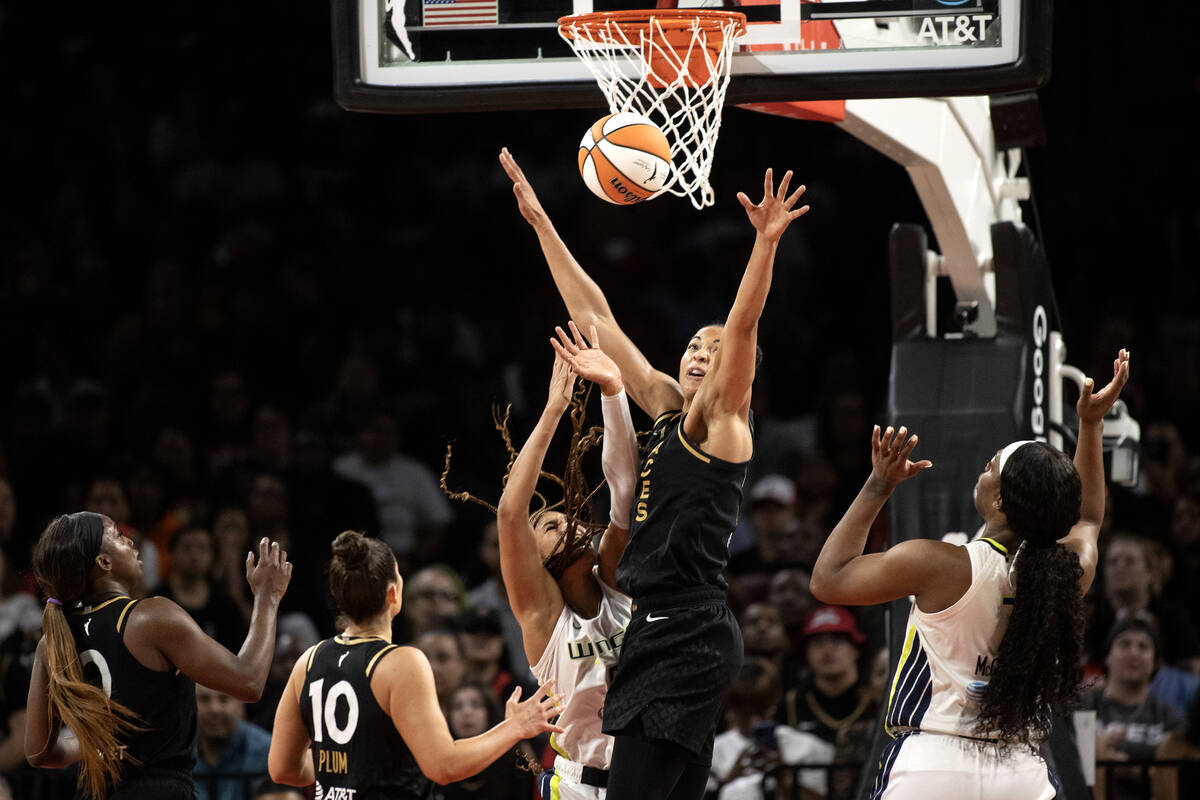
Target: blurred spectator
[191, 586]
[231, 533]
[226, 743]
[294, 634]
[1127, 589]
[1178, 783]
[789, 592]
[412, 509]
[356, 396]
[832, 698]
[491, 595]
[106, 496]
[482, 640]
[474, 709]
[271, 439]
[779, 536]
[855, 743]
[324, 503]
[1130, 723]
[20, 629]
[442, 648]
[228, 435]
[430, 597]
[747, 755]
[765, 637]
[8, 512]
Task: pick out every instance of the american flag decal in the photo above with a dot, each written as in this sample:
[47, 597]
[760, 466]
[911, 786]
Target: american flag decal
[459, 12]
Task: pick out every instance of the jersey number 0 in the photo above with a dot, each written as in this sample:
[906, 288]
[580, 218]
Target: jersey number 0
[325, 709]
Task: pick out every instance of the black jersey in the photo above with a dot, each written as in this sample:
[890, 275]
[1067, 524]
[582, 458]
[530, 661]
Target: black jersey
[357, 752]
[683, 517]
[165, 702]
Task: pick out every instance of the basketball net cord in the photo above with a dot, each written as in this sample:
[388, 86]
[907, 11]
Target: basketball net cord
[648, 76]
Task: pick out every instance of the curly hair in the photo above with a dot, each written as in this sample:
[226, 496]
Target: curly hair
[1036, 672]
[576, 504]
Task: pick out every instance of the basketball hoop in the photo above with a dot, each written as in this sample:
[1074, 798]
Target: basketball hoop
[671, 65]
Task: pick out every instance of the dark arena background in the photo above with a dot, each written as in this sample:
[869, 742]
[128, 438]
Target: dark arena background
[215, 285]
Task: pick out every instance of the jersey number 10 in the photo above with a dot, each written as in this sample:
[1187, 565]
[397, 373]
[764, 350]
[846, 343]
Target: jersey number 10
[338, 733]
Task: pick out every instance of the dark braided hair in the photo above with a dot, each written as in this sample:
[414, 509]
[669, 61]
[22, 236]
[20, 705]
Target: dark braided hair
[576, 505]
[1036, 673]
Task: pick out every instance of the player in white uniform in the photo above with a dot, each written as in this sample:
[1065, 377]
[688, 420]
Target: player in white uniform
[561, 590]
[995, 633]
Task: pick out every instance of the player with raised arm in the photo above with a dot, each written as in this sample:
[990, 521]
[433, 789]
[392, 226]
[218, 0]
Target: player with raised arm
[995, 632]
[563, 593]
[683, 646]
[360, 716]
[120, 673]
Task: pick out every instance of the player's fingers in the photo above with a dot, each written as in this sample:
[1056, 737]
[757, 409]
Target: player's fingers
[875, 441]
[567, 344]
[791, 201]
[924, 463]
[887, 440]
[798, 213]
[909, 446]
[595, 337]
[515, 697]
[783, 184]
[745, 201]
[901, 435]
[768, 183]
[264, 547]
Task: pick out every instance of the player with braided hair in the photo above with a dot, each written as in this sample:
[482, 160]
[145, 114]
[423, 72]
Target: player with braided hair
[562, 588]
[995, 633]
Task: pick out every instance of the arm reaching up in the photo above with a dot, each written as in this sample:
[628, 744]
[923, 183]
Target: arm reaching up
[725, 391]
[1089, 462]
[619, 455]
[535, 597]
[654, 391]
[936, 572]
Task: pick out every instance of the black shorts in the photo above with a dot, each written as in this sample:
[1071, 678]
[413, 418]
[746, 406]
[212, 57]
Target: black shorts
[161, 784]
[680, 655]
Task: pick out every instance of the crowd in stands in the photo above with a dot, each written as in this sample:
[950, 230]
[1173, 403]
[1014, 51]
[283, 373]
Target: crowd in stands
[226, 315]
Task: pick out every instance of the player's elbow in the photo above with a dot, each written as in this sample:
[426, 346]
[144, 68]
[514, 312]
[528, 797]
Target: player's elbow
[248, 691]
[825, 589]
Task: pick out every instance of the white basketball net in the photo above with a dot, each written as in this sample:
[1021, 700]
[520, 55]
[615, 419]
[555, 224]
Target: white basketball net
[639, 71]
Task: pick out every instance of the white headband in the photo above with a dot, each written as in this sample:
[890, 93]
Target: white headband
[1008, 451]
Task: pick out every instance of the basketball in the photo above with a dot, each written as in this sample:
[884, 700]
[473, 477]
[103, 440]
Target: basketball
[624, 158]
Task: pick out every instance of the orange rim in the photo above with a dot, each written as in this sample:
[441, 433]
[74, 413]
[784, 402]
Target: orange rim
[668, 18]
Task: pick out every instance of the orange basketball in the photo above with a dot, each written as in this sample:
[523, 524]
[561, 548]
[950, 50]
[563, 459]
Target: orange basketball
[624, 158]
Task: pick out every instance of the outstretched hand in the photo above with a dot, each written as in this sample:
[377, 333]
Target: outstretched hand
[588, 361]
[1092, 405]
[562, 385]
[772, 216]
[527, 201]
[890, 456]
[532, 717]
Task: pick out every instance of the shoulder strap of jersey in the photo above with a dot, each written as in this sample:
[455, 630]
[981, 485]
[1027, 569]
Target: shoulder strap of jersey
[374, 662]
[313, 655]
[125, 614]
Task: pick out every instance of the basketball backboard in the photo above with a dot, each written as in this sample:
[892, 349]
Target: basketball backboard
[419, 56]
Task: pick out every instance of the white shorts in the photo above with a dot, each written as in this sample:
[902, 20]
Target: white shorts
[921, 765]
[560, 783]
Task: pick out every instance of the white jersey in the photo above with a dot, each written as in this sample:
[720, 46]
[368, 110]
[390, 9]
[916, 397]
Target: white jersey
[578, 658]
[947, 656]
